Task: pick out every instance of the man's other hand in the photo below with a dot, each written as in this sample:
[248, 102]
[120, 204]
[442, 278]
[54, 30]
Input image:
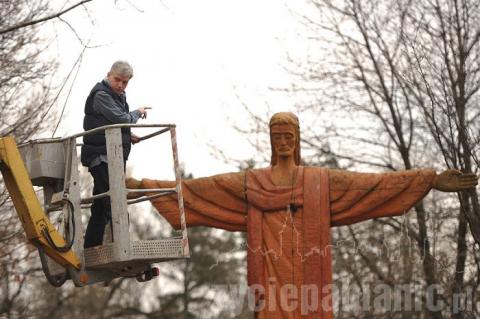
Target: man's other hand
[134, 139]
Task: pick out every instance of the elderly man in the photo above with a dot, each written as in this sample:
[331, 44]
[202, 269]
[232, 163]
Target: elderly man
[288, 210]
[106, 104]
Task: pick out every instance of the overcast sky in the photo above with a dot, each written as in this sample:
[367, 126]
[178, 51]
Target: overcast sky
[190, 59]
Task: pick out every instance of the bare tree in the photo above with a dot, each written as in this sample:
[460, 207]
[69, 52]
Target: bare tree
[27, 108]
[24, 110]
[394, 85]
[410, 70]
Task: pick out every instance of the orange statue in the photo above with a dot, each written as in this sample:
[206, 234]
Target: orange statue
[287, 211]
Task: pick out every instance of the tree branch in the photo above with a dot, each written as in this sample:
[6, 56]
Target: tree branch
[49, 17]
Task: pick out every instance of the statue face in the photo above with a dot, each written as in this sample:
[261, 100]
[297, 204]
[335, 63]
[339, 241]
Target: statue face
[283, 140]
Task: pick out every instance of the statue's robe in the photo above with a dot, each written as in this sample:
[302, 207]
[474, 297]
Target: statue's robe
[289, 259]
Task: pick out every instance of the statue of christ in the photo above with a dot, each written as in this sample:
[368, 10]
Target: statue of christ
[288, 210]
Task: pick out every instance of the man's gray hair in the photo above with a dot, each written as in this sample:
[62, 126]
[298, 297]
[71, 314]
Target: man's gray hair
[122, 68]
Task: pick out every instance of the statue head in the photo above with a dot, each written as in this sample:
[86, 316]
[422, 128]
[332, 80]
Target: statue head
[286, 119]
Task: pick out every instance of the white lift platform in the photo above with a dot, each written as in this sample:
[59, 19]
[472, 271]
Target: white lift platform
[53, 164]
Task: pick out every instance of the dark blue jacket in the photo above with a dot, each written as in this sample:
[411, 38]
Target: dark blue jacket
[94, 145]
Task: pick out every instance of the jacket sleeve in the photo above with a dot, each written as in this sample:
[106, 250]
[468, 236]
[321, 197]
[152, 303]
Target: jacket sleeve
[106, 105]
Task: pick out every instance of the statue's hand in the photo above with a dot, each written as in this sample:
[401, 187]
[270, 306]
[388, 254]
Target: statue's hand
[132, 183]
[453, 180]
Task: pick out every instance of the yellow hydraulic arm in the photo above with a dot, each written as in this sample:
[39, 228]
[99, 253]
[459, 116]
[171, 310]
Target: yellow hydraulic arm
[34, 220]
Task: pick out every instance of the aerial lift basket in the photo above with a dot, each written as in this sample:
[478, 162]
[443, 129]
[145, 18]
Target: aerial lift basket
[53, 165]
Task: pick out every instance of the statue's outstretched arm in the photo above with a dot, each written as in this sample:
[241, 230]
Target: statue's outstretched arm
[359, 196]
[215, 201]
[355, 197]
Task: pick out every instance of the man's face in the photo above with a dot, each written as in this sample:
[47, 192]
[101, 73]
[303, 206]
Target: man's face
[283, 139]
[118, 82]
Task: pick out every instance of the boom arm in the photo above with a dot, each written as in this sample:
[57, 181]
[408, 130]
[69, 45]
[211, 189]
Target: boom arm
[35, 222]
